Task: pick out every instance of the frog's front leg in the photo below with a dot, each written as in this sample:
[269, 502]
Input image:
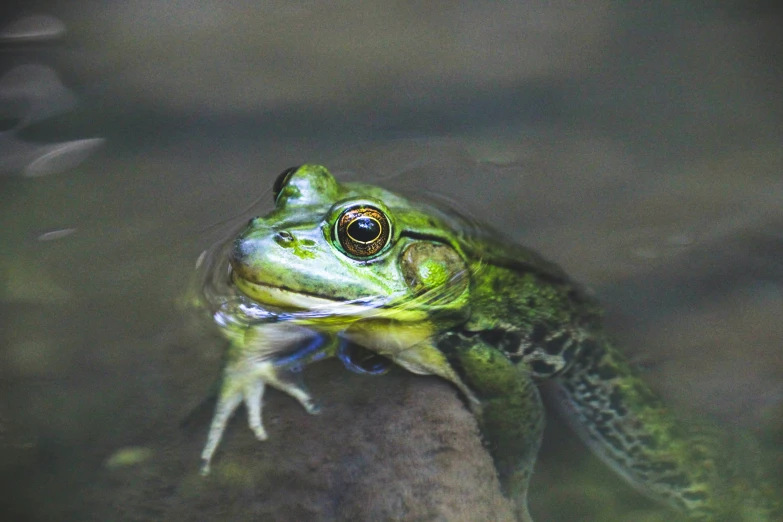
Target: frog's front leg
[269, 355]
[512, 415]
[503, 397]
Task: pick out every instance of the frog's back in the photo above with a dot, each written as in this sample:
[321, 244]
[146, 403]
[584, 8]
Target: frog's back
[528, 308]
[524, 304]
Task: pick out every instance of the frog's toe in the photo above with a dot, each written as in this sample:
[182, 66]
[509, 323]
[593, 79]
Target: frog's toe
[239, 385]
[290, 383]
[259, 432]
[226, 405]
[312, 407]
[245, 382]
[253, 398]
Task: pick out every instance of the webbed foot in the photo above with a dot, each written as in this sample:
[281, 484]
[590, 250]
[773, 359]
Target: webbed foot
[252, 366]
[247, 385]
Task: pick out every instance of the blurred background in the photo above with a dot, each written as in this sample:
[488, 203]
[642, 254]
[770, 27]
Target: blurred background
[637, 144]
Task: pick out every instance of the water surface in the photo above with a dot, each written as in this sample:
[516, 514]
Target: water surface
[637, 146]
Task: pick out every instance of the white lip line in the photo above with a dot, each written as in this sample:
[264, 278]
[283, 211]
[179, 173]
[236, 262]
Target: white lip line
[286, 291]
[313, 303]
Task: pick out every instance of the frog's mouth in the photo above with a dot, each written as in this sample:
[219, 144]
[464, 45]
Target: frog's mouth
[280, 296]
[318, 306]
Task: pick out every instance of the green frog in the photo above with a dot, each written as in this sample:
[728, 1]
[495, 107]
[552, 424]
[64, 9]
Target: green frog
[358, 272]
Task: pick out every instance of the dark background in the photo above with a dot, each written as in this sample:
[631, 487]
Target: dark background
[637, 145]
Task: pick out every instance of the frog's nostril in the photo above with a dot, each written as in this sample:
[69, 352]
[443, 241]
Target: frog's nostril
[284, 237]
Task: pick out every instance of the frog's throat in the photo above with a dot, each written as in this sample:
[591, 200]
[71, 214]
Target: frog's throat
[316, 306]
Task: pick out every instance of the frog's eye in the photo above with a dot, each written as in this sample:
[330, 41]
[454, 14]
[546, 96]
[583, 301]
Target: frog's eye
[363, 231]
[281, 180]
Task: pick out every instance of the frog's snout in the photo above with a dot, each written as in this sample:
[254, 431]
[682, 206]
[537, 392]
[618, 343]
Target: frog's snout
[241, 251]
[242, 256]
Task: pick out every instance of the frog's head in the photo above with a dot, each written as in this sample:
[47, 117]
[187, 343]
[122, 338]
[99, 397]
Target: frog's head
[349, 249]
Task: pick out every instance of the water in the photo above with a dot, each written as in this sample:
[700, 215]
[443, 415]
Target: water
[637, 146]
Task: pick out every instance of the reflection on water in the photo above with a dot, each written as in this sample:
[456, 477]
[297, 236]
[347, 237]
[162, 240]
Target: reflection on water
[637, 146]
[31, 94]
[33, 28]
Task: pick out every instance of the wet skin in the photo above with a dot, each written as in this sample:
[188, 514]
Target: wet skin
[337, 266]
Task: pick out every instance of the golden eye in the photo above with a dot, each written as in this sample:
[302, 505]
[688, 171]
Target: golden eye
[363, 231]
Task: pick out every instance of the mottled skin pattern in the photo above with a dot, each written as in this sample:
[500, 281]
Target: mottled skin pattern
[438, 294]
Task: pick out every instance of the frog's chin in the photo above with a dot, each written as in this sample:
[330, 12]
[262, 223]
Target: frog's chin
[315, 306]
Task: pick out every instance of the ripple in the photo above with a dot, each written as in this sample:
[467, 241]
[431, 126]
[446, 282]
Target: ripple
[33, 28]
[61, 156]
[54, 235]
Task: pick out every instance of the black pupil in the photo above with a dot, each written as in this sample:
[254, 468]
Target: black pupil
[364, 229]
[281, 179]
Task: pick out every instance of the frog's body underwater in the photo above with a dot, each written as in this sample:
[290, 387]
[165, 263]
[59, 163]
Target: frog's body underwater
[339, 263]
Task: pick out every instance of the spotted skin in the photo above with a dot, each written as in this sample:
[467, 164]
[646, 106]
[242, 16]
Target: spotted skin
[439, 294]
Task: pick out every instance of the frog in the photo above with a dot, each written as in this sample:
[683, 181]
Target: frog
[375, 278]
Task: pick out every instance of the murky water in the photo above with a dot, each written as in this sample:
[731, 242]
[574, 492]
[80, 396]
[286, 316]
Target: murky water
[637, 146]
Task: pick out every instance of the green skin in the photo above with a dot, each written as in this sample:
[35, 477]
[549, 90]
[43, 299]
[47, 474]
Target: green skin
[445, 296]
